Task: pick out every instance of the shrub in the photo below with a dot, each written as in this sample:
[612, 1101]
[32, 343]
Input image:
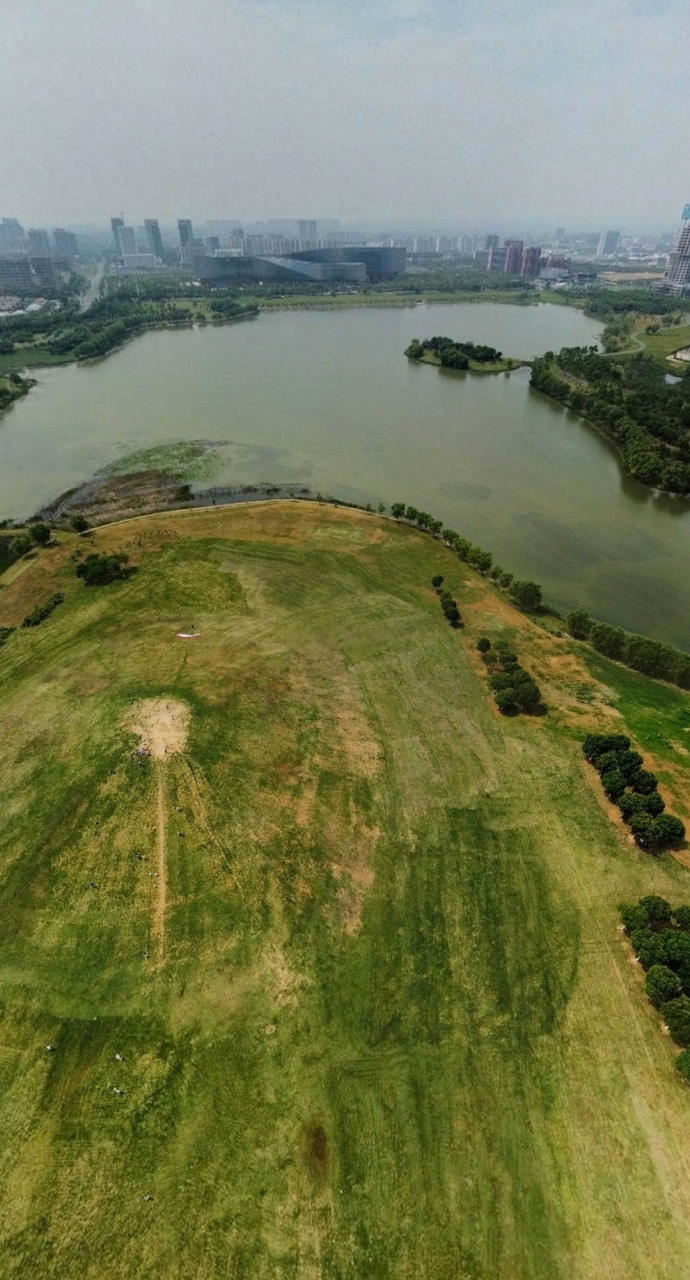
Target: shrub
[506, 700]
[677, 946]
[628, 762]
[608, 640]
[649, 947]
[22, 544]
[657, 909]
[676, 1015]
[643, 827]
[661, 984]
[634, 916]
[79, 523]
[40, 534]
[484, 645]
[595, 744]
[630, 804]
[682, 918]
[43, 611]
[614, 784]
[683, 1065]
[643, 782]
[437, 580]
[607, 761]
[668, 829]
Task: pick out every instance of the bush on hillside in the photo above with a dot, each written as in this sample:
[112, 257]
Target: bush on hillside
[676, 1015]
[661, 984]
[98, 570]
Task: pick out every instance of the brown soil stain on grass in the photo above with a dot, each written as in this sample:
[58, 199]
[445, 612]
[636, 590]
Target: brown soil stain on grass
[162, 725]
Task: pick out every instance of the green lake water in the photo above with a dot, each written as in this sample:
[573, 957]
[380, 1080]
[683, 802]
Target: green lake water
[327, 399]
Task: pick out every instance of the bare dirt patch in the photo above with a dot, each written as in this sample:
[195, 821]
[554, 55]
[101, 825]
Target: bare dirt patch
[162, 725]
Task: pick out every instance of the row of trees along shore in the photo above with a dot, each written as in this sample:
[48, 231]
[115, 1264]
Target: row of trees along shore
[453, 355]
[634, 789]
[660, 937]
[627, 398]
[640, 653]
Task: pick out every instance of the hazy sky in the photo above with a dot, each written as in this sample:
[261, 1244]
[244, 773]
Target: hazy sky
[480, 111]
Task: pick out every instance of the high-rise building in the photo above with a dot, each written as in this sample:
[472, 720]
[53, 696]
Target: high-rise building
[12, 238]
[608, 243]
[15, 274]
[213, 243]
[127, 240]
[45, 273]
[153, 237]
[491, 242]
[677, 278]
[39, 242]
[116, 225]
[497, 258]
[186, 231]
[65, 244]
[308, 229]
[513, 261]
[531, 259]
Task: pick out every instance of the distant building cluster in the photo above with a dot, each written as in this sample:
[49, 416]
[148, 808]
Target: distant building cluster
[513, 257]
[30, 261]
[352, 264]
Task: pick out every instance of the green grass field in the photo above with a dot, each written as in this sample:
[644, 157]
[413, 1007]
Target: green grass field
[387, 1026]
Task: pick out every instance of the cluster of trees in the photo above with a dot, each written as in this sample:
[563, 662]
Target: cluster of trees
[448, 604]
[98, 570]
[15, 545]
[634, 789]
[514, 689]
[660, 938]
[650, 657]
[526, 595]
[453, 355]
[43, 611]
[630, 400]
[13, 388]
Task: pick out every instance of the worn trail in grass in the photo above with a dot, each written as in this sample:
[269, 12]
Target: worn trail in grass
[394, 1031]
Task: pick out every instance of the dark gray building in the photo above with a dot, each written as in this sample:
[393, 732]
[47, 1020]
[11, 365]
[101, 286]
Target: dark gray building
[66, 245]
[39, 242]
[352, 264]
[153, 236]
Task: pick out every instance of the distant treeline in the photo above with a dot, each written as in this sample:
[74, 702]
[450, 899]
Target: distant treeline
[629, 399]
[453, 355]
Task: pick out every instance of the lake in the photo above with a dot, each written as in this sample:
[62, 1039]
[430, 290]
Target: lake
[326, 398]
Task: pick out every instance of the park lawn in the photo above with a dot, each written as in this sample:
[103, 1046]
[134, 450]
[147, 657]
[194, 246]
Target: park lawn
[663, 344]
[388, 1026]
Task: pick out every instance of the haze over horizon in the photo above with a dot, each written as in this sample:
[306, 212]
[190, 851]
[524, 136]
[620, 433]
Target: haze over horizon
[389, 111]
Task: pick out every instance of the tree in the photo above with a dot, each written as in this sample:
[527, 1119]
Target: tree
[411, 513]
[682, 917]
[608, 640]
[633, 916]
[381, 508]
[676, 1015]
[484, 644]
[649, 947]
[437, 580]
[97, 570]
[40, 534]
[579, 623]
[628, 762]
[21, 545]
[643, 828]
[527, 595]
[398, 510]
[661, 984]
[79, 523]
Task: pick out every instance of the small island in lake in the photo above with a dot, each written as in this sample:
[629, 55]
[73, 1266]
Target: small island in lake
[462, 356]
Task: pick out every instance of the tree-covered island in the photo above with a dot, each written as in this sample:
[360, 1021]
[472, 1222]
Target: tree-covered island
[462, 356]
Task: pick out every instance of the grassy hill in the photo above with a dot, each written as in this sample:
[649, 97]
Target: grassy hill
[352, 934]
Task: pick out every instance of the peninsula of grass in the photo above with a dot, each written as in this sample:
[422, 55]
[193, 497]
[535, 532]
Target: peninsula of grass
[310, 959]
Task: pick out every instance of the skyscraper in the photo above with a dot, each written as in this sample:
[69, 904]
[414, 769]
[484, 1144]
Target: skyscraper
[307, 229]
[127, 240]
[186, 231]
[677, 278]
[116, 225]
[514, 250]
[153, 236]
[39, 242]
[491, 242]
[12, 238]
[608, 243]
[65, 244]
[531, 258]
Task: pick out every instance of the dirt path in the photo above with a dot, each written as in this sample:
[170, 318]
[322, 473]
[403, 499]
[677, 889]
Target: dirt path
[159, 908]
[162, 725]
